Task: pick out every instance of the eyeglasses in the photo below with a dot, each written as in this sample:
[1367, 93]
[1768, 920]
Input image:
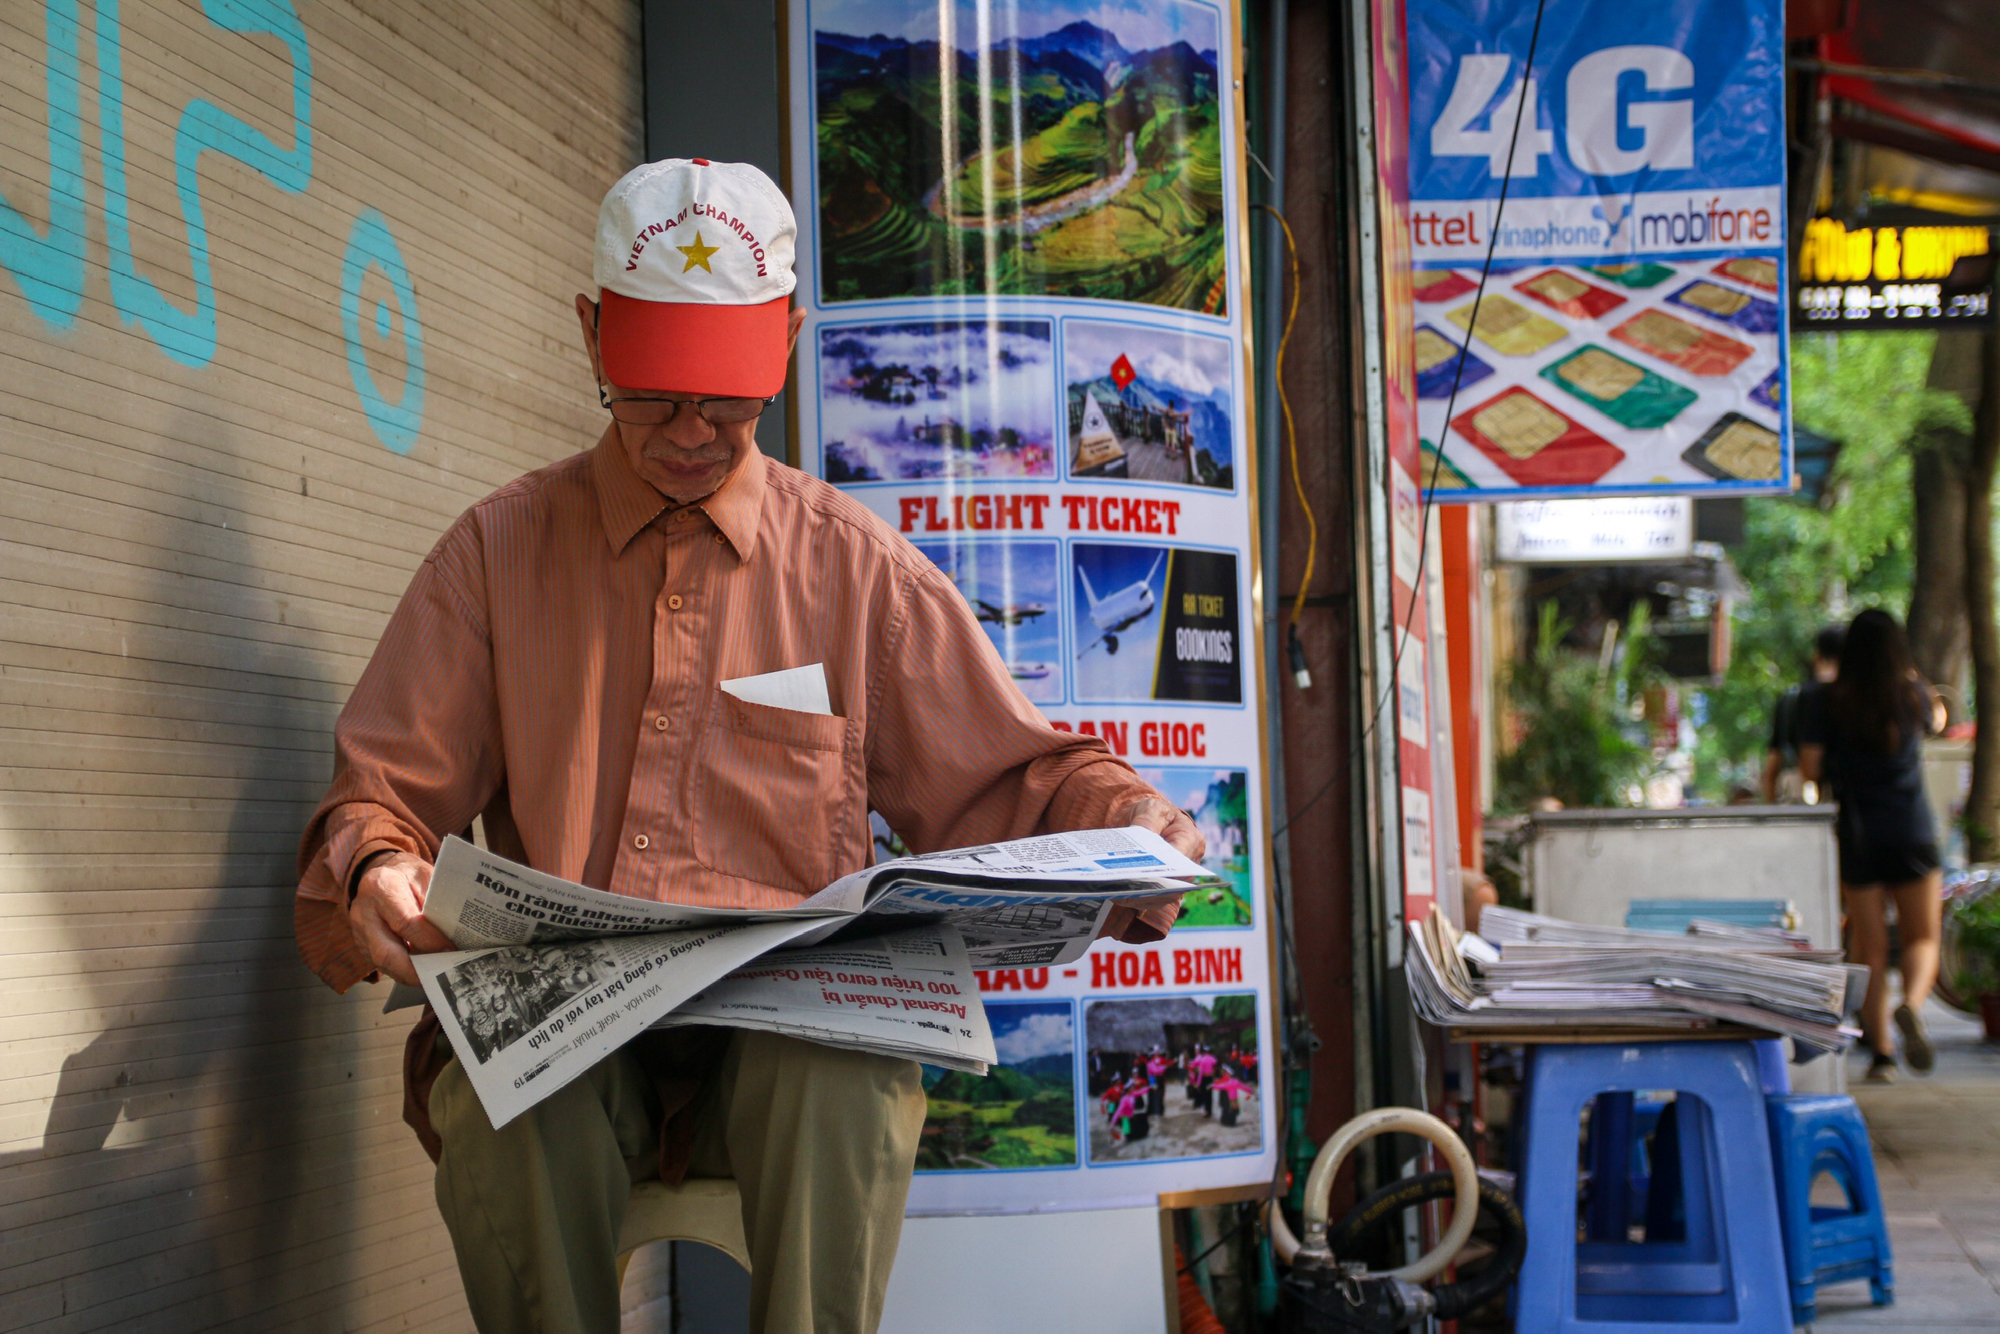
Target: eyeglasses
[660, 411]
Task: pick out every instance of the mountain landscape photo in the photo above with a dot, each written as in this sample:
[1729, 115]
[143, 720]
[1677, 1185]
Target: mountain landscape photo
[1148, 404]
[1023, 1112]
[1071, 160]
[1218, 802]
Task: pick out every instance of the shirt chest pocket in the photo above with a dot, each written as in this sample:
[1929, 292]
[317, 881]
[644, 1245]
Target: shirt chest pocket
[773, 798]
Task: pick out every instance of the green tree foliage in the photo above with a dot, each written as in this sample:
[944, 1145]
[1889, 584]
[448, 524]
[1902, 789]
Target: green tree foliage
[1228, 1009]
[1574, 744]
[1803, 565]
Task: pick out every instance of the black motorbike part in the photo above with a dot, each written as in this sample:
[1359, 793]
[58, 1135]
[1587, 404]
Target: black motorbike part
[1386, 1205]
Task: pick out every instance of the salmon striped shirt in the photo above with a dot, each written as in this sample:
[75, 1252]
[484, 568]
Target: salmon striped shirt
[554, 667]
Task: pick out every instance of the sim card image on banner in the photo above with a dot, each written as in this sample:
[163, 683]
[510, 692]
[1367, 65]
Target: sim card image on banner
[1630, 338]
[1535, 444]
[1622, 390]
[1437, 368]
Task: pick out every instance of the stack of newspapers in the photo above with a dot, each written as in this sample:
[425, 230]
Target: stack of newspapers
[550, 976]
[1529, 972]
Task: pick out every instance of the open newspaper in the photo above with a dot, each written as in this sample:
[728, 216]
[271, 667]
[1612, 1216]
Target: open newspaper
[551, 976]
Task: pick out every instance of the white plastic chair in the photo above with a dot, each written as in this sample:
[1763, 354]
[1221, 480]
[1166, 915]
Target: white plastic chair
[704, 1210]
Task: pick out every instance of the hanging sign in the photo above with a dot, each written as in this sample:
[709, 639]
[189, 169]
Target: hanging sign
[1024, 351]
[1630, 333]
[1607, 528]
[1925, 276]
[1412, 894]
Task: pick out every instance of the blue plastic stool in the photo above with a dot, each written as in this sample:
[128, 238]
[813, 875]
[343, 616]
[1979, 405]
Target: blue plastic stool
[1720, 1270]
[1620, 1131]
[1811, 1134]
[1674, 914]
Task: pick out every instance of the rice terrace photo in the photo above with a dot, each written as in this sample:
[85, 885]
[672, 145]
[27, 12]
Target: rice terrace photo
[1023, 1112]
[1082, 161]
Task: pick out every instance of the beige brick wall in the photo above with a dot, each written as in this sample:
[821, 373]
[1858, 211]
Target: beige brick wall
[196, 556]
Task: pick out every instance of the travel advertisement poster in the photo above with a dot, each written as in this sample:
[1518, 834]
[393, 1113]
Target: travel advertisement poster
[1024, 350]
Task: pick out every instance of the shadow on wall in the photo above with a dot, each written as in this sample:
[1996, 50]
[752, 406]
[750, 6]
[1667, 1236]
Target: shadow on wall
[199, 1167]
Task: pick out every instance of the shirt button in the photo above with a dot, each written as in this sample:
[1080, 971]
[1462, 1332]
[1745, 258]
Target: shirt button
[681, 517]
[660, 722]
[642, 842]
[718, 539]
[674, 602]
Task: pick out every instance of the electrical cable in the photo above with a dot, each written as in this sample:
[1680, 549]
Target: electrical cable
[1213, 1246]
[1437, 454]
[1294, 648]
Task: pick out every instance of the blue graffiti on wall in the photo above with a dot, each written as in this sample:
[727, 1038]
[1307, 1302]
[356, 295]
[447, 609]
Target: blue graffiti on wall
[50, 268]
[189, 336]
[370, 243]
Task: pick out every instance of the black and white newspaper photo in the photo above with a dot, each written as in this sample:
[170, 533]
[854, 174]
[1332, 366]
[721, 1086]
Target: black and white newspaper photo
[527, 1019]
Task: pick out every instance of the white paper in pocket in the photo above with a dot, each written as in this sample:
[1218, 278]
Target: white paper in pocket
[800, 689]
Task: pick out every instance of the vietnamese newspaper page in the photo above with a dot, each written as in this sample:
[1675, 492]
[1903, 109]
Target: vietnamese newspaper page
[552, 976]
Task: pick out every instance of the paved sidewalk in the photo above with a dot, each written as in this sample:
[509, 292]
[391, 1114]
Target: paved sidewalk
[1937, 1154]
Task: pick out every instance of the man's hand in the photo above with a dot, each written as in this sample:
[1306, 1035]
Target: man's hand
[387, 915]
[1165, 819]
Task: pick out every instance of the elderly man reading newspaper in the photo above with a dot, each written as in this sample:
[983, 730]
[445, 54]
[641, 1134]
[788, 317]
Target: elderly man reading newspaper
[584, 660]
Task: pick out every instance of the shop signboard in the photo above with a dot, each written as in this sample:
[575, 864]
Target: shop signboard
[1631, 332]
[1411, 571]
[1587, 531]
[1024, 350]
[1936, 274]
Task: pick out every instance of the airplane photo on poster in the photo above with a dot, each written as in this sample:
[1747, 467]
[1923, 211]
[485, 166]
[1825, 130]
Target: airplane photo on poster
[1155, 623]
[1122, 609]
[1014, 613]
[1012, 589]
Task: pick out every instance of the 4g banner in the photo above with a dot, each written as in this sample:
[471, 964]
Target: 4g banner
[1631, 336]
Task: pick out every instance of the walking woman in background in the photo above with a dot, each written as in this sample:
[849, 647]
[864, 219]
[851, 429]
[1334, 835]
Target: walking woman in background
[1863, 735]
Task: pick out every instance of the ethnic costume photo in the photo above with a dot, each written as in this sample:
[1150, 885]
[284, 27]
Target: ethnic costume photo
[1170, 1077]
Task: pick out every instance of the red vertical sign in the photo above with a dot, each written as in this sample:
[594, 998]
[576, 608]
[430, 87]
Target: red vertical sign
[1406, 508]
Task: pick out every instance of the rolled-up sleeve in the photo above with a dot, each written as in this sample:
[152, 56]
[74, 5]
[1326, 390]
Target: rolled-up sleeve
[957, 755]
[416, 751]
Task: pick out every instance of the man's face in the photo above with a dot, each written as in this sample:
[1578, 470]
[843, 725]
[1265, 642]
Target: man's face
[687, 457]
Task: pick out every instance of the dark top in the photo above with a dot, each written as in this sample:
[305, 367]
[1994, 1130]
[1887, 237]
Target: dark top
[1882, 802]
[1785, 720]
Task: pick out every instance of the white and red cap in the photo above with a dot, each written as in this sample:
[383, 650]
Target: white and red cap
[694, 277]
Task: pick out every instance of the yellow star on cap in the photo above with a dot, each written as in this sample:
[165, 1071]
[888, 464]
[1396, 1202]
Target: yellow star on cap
[697, 253]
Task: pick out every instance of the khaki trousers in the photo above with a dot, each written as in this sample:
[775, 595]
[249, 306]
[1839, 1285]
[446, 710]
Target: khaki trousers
[821, 1143]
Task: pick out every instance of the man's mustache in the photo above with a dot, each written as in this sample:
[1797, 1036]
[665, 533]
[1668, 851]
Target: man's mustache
[685, 457]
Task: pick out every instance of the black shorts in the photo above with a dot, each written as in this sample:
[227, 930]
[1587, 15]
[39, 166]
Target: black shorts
[1894, 864]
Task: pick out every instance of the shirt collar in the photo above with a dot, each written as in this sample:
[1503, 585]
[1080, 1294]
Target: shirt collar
[626, 502]
[738, 506]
